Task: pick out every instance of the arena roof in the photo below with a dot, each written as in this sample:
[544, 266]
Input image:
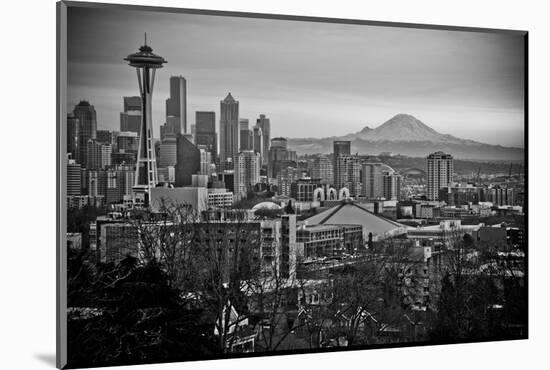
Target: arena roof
[350, 213]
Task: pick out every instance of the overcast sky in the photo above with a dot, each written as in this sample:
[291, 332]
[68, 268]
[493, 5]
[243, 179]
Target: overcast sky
[311, 79]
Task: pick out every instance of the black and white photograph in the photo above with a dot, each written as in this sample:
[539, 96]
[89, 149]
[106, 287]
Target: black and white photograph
[239, 184]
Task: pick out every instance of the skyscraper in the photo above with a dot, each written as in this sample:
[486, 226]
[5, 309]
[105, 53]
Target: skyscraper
[245, 135]
[176, 104]
[86, 115]
[347, 173]
[392, 186]
[263, 123]
[132, 104]
[278, 156]
[373, 180]
[440, 173]
[286, 177]
[172, 126]
[126, 148]
[205, 132]
[105, 137]
[247, 172]
[341, 148]
[96, 182]
[127, 142]
[73, 133]
[354, 177]
[73, 178]
[258, 143]
[168, 151]
[340, 168]
[188, 161]
[130, 119]
[120, 180]
[323, 170]
[205, 161]
[98, 155]
[229, 131]
[146, 64]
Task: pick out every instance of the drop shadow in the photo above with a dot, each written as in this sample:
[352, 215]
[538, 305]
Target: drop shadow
[47, 358]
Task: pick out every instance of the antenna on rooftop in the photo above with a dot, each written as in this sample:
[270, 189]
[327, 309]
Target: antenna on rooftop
[145, 38]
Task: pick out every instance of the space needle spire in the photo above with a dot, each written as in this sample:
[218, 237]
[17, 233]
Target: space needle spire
[146, 63]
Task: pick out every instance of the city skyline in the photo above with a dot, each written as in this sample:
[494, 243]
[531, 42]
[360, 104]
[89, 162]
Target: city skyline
[462, 83]
[182, 249]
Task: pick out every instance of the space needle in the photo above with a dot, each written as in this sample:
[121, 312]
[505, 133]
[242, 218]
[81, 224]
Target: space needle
[145, 63]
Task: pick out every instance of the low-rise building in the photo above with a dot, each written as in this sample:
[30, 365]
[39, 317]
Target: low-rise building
[219, 198]
[320, 240]
[196, 198]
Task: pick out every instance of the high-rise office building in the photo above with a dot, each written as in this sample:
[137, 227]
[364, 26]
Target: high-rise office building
[341, 148]
[126, 148]
[95, 182]
[292, 156]
[188, 161]
[120, 181]
[170, 127]
[132, 104]
[340, 165]
[265, 125]
[176, 105]
[355, 186]
[440, 173]
[258, 143]
[322, 169]
[373, 180]
[391, 186]
[86, 115]
[247, 172]
[98, 155]
[130, 118]
[73, 178]
[229, 131]
[105, 137]
[146, 63]
[286, 177]
[127, 142]
[73, 133]
[245, 135]
[380, 181]
[278, 155]
[347, 173]
[205, 132]
[168, 151]
[205, 161]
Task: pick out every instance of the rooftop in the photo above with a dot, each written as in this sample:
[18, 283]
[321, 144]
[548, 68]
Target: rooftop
[145, 58]
[350, 213]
